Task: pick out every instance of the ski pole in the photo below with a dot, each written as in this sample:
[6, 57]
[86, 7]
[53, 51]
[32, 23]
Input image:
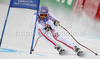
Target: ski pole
[78, 42]
[37, 41]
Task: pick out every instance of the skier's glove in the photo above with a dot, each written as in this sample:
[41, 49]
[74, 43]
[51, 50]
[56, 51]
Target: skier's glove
[56, 23]
[47, 28]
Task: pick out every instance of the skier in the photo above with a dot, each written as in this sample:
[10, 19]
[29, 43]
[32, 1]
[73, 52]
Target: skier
[44, 24]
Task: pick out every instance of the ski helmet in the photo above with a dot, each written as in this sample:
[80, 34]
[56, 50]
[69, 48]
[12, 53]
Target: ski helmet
[43, 10]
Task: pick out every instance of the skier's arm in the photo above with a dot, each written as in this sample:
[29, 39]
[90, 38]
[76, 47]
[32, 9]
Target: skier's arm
[51, 17]
[54, 20]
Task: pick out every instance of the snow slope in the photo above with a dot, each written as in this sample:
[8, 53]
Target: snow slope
[18, 36]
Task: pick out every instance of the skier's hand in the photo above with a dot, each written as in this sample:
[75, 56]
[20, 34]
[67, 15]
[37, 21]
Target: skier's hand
[47, 28]
[56, 23]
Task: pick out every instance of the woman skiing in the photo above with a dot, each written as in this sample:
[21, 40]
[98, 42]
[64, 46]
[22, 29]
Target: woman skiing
[44, 24]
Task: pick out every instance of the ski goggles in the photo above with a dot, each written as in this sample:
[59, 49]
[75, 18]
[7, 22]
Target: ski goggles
[41, 15]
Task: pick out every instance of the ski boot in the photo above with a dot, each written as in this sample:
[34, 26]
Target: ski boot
[78, 50]
[60, 50]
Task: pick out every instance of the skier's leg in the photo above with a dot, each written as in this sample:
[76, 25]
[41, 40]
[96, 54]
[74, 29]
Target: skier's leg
[51, 42]
[66, 42]
[61, 39]
[47, 38]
